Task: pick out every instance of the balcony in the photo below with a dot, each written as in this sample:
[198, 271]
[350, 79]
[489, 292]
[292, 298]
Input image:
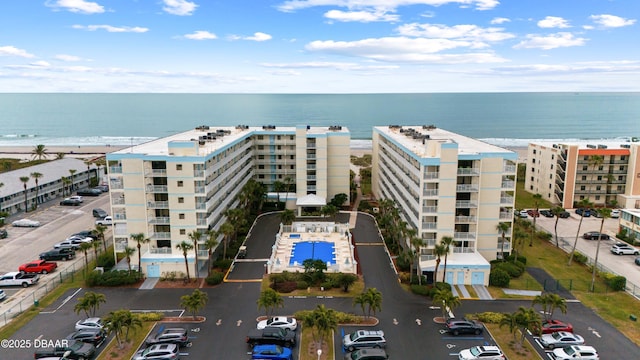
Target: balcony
[201, 206]
[427, 257]
[468, 171]
[508, 184]
[464, 236]
[507, 245]
[430, 209]
[115, 169]
[463, 250]
[162, 250]
[465, 219]
[160, 236]
[466, 204]
[466, 188]
[117, 201]
[200, 190]
[429, 225]
[160, 220]
[203, 254]
[116, 185]
[506, 200]
[157, 188]
[431, 175]
[198, 173]
[158, 205]
[506, 215]
[155, 172]
[430, 192]
[509, 169]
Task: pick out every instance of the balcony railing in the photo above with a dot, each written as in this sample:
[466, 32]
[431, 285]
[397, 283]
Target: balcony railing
[504, 215]
[431, 175]
[430, 192]
[115, 169]
[468, 171]
[466, 188]
[162, 250]
[506, 200]
[464, 235]
[200, 190]
[429, 225]
[430, 209]
[160, 236]
[463, 250]
[507, 245]
[427, 257]
[116, 185]
[465, 219]
[509, 168]
[155, 172]
[158, 204]
[160, 220]
[466, 204]
[198, 173]
[117, 201]
[508, 184]
[203, 254]
[157, 188]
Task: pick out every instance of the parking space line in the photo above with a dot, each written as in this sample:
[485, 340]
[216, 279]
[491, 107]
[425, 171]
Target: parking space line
[63, 302]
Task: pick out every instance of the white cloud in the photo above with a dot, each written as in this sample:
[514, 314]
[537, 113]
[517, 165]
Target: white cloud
[14, 51]
[585, 67]
[611, 21]
[179, 7]
[328, 65]
[109, 28]
[403, 49]
[553, 22]
[461, 32]
[201, 35]
[360, 16]
[68, 58]
[77, 6]
[499, 20]
[258, 36]
[389, 5]
[553, 41]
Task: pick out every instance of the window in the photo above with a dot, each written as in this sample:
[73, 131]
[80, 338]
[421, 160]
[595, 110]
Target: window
[181, 216]
[183, 232]
[621, 168]
[553, 156]
[584, 177]
[534, 151]
[260, 166]
[549, 186]
[600, 168]
[597, 197]
[583, 188]
[533, 169]
[551, 166]
[180, 183]
[532, 178]
[585, 167]
[599, 177]
[180, 200]
[178, 167]
[598, 187]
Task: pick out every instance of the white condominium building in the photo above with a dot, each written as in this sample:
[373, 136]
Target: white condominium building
[170, 187]
[602, 172]
[446, 184]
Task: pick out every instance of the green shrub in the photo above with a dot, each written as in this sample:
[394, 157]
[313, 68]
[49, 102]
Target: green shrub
[514, 270]
[521, 259]
[302, 285]
[112, 278]
[215, 278]
[285, 286]
[223, 264]
[488, 317]
[499, 278]
[106, 261]
[580, 258]
[150, 316]
[421, 289]
[403, 263]
[615, 282]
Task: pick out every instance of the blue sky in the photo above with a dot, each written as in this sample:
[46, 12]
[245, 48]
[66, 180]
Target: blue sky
[319, 46]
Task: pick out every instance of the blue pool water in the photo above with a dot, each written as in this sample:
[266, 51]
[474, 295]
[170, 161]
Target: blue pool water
[317, 250]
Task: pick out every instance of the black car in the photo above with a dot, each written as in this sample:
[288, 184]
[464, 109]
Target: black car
[546, 213]
[89, 192]
[58, 254]
[465, 326]
[78, 349]
[594, 235]
[94, 337]
[169, 336]
[86, 234]
[565, 214]
[3, 234]
[70, 202]
[99, 213]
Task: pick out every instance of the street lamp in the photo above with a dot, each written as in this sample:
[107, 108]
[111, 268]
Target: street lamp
[319, 353]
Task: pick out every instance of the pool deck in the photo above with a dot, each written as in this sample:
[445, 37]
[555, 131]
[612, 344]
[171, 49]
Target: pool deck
[338, 234]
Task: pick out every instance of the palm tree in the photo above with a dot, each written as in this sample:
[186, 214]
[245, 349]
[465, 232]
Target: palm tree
[60, 155]
[416, 243]
[583, 204]
[71, 173]
[371, 299]
[557, 211]
[195, 237]
[95, 245]
[25, 180]
[140, 239]
[605, 213]
[115, 323]
[36, 176]
[130, 321]
[65, 182]
[39, 152]
[330, 211]
[278, 186]
[594, 161]
[446, 241]
[185, 247]
[88, 163]
[438, 251]
[502, 228]
[84, 247]
[269, 300]
[194, 302]
[128, 251]
[536, 203]
[90, 303]
[100, 230]
[287, 216]
[447, 300]
[324, 322]
[550, 302]
[510, 320]
[210, 244]
[227, 230]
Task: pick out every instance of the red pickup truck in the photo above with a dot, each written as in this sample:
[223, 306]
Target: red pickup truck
[38, 266]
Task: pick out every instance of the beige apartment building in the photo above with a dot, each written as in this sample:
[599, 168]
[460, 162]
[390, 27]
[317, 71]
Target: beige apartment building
[446, 184]
[170, 187]
[605, 173]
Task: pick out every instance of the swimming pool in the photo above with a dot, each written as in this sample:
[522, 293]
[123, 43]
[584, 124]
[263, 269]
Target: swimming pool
[317, 250]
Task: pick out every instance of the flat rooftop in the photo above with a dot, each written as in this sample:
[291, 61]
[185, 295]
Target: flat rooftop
[414, 139]
[589, 144]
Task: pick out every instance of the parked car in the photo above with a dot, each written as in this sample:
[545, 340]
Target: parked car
[99, 213]
[594, 235]
[637, 261]
[560, 339]
[367, 354]
[523, 214]
[275, 352]
[16, 278]
[108, 220]
[284, 322]
[58, 254]
[271, 335]
[76, 198]
[550, 326]
[70, 202]
[77, 349]
[103, 188]
[481, 352]
[94, 337]
[73, 244]
[3, 234]
[615, 213]
[38, 267]
[576, 352]
[86, 233]
[3, 295]
[158, 352]
[364, 338]
[169, 336]
[624, 249]
[25, 223]
[89, 192]
[547, 213]
[90, 323]
[464, 326]
[583, 212]
[565, 214]
[533, 213]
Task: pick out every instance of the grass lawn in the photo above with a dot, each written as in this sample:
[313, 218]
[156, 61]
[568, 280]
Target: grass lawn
[309, 347]
[355, 289]
[511, 348]
[136, 336]
[525, 199]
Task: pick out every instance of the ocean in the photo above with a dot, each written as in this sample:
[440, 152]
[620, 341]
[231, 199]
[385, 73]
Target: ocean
[505, 119]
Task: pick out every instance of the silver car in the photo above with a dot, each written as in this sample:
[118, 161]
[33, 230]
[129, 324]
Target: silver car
[158, 352]
[560, 339]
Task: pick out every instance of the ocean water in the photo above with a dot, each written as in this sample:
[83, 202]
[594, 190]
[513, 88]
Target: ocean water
[506, 119]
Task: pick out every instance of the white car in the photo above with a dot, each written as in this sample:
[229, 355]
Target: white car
[615, 213]
[25, 223]
[2, 295]
[576, 352]
[560, 339]
[482, 352]
[624, 249]
[284, 322]
[90, 323]
[77, 198]
[108, 220]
